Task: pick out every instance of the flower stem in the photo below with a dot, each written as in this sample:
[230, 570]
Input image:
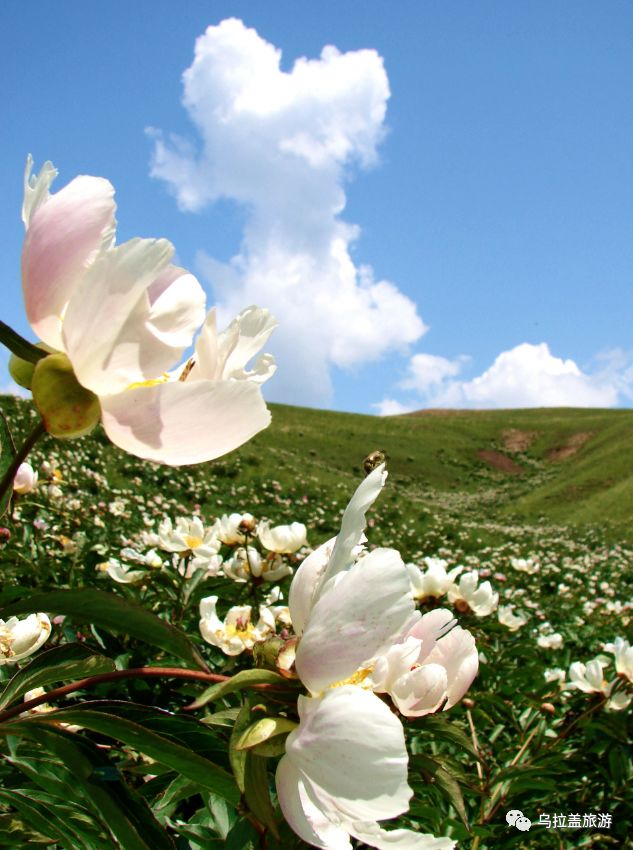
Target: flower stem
[19, 346]
[7, 479]
[116, 675]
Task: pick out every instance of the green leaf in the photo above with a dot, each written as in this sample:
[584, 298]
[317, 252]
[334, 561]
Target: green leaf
[448, 784]
[68, 662]
[7, 453]
[40, 817]
[257, 792]
[440, 727]
[272, 748]
[101, 717]
[112, 803]
[243, 679]
[111, 612]
[180, 788]
[242, 836]
[238, 757]
[262, 730]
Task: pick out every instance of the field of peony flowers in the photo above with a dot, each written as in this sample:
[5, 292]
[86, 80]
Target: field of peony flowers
[135, 566]
[344, 632]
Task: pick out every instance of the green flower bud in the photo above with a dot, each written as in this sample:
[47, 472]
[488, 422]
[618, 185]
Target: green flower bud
[68, 409]
[22, 370]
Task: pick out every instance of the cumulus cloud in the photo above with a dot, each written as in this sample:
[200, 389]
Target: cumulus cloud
[392, 407]
[429, 371]
[525, 376]
[282, 143]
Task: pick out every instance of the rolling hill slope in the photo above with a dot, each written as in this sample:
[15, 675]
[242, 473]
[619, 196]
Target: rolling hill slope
[562, 466]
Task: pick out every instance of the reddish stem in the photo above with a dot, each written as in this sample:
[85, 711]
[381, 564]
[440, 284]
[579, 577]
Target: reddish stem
[115, 675]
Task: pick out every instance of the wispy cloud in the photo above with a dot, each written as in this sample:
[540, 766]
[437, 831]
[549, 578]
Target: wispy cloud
[525, 376]
[282, 144]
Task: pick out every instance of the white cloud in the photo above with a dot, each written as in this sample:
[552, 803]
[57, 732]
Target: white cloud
[428, 371]
[525, 376]
[281, 144]
[391, 407]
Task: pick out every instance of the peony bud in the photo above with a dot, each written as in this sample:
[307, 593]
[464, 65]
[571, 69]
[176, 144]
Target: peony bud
[68, 409]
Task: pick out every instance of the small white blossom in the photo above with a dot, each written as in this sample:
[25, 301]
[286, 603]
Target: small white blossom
[284, 539]
[25, 480]
[237, 632]
[434, 581]
[469, 595]
[551, 641]
[21, 638]
[508, 618]
[233, 528]
[121, 573]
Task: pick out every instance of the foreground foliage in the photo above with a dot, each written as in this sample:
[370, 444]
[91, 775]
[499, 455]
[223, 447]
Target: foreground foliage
[178, 757]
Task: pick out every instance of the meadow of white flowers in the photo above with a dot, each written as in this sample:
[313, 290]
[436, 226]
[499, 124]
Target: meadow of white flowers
[290, 669]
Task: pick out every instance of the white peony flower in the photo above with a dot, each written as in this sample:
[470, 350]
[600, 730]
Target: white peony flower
[345, 766]
[283, 539]
[551, 641]
[435, 581]
[232, 529]
[21, 638]
[123, 316]
[237, 632]
[508, 618]
[623, 652]
[25, 480]
[190, 537]
[525, 565]
[121, 573]
[470, 596]
[590, 678]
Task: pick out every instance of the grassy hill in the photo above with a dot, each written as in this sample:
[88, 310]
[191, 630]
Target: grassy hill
[537, 466]
[566, 465]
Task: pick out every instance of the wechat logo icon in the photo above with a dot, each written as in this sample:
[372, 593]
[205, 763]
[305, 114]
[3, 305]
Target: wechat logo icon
[515, 817]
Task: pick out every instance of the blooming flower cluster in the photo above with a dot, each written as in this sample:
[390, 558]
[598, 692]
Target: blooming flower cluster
[462, 588]
[218, 549]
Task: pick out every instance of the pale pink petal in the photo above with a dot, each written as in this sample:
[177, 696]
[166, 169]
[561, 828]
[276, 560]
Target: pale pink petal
[302, 815]
[179, 423]
[225, 355]
[353, 522]
[402, 839]
[357, 616]
[350, 749]
[176, 311]
[396, 662]
[301, 594]
[64, 234]
[430, 629]
[457, 653]
[36, 188]
[420, 691]
[208, 362]
[254, 327]
[104, 330]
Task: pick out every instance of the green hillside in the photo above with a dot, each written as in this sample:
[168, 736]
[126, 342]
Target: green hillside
[561, 466]
[564, 465]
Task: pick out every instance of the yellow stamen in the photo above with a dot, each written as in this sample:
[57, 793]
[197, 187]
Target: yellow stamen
[152, 382]
[358, 677]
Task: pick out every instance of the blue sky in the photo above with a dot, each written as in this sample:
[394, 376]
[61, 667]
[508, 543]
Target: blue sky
[444, 219]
